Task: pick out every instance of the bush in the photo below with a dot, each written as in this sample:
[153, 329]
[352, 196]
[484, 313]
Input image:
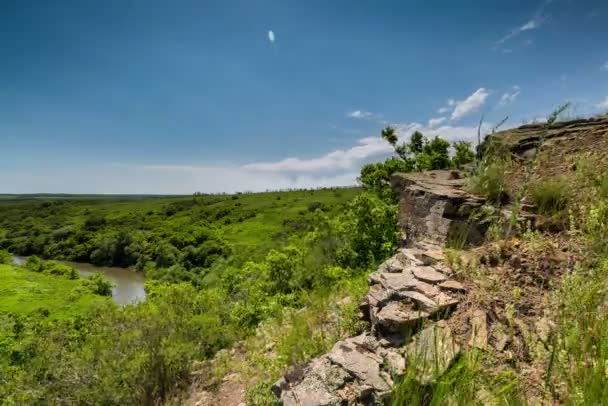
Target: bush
[98, 284]
[34, 264]
[57, 269]
[5, 257]
[550, 195]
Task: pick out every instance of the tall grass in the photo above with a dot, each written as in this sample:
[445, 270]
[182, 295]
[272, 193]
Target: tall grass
[490, 181]
[550, 195]
[467, 382]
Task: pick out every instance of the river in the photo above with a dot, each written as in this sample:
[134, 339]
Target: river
[128, 284]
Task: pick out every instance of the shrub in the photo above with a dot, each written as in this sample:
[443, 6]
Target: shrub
[5, 257]
[98, 284]
[550, 195]
[34, 264]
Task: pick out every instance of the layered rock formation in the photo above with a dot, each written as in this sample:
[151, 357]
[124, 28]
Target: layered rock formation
[407, 296]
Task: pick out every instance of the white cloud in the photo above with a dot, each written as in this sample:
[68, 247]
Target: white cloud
[530, 25]
[509, 97]
[605, 67]
[271, 36]
[471, 104]
[338, 160]
[360, 114]
[443, 110]
[603, 104]
[434, 122]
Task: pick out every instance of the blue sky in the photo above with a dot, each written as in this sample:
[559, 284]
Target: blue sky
[175, 97]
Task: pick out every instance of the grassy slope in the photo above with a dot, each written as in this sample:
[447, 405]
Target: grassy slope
[24, 292]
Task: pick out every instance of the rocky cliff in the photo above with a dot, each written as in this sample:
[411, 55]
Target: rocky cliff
[408, 297]
[423, 308]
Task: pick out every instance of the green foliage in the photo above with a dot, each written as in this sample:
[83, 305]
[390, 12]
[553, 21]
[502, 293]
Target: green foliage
[419, 154]
[550, 195]
[368, 231]
[272, 258]
[376, 177]
[490, 181]
[186, 238]
[27, 293]
[463, 154]
[389, 135]
[34, 264]
[5, 257]
[128, 356]
[596, 226]
[467, 382]
[98, 284]
[579, 351]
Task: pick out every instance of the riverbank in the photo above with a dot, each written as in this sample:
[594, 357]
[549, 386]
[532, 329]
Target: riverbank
[24, 293]
[129, 285]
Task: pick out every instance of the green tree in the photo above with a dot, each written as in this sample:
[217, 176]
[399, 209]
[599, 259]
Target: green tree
[463, 154]
[417, 142]
[389, 135]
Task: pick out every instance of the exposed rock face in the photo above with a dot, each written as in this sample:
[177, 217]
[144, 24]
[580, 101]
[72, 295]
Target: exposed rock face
[403, 294]
[574, 134]
[434, 206]
[406, 294]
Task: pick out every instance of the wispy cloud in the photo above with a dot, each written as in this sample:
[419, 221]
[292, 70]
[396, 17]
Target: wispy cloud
[271, 36]
[434, 122]
[510, 96]
[338, 160]
[603, 104]
[532, 24]
[605, 67]
[359, 114]
[471, 104]
[349, 161]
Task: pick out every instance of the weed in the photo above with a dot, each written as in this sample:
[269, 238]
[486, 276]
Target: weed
[490, 181]
[550, 195]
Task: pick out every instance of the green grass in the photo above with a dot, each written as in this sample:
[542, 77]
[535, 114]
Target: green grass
[550, 195]
[24, 292]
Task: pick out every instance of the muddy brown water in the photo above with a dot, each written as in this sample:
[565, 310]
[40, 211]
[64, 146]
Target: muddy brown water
[128, 284]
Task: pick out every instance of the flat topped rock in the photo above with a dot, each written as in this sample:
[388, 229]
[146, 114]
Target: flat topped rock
[365, 365]
[397, 281]
[396, 316]
[428, 274]
[452, 286]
